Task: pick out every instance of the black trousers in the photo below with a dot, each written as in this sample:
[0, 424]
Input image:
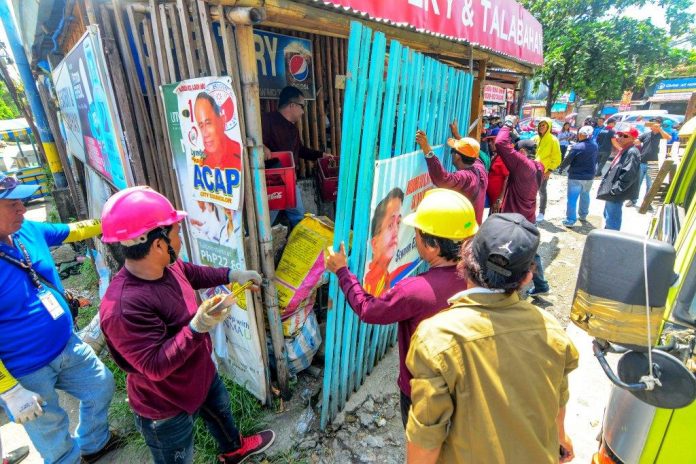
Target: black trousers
[542, 196]
[601, 161]
[405, 407]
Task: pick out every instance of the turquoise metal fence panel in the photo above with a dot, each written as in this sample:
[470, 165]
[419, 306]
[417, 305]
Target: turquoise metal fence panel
[381, 113]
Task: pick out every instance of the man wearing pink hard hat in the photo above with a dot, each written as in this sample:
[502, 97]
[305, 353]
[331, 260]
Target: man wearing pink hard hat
[158, 335]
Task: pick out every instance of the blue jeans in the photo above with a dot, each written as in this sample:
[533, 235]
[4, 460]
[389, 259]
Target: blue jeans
[171, 440]
[296, 214]
[77, 371]
[540, 283]
[578, 189]
[612, 215]
[648, 180]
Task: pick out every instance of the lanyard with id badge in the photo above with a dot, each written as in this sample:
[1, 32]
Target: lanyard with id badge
[47, 298]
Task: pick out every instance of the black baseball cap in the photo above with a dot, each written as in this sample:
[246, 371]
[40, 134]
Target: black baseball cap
[510, 236]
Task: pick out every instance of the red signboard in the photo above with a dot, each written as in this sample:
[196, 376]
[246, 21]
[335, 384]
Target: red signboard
[500, 25]
[493, 93]
[510, 95]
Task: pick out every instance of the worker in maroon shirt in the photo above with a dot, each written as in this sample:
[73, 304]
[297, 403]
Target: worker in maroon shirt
[158, 334]
[470, 179]
[442, 221]
[280, 133]
[526, 175]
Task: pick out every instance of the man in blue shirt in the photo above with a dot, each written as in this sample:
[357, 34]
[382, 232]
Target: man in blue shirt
[581, 161]
[39, 352]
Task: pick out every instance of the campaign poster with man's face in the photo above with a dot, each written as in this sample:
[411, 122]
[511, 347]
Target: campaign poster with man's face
[400, 184]
[208, 114]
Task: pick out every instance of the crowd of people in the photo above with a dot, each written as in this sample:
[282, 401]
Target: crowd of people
[464, 330]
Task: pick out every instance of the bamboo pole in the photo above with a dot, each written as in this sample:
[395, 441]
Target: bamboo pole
[144, 170]
[229, 58]
[250, 92]
[168, 45]
[184, 16]
[330, 91]
[203, 69]
[182, 62]
[321, 90]
[210, 45]
[338, 102]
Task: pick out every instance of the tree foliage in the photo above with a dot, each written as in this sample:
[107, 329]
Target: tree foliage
[8, 109]
[591, 48]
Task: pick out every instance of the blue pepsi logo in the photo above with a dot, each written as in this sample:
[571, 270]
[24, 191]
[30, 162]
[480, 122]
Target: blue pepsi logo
[299, 68]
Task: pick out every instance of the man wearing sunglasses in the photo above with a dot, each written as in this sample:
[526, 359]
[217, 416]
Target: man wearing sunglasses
[620, 183]
[39, 351]
[280, 133]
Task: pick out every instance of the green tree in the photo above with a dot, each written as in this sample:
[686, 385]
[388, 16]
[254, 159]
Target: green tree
[591, 48]
[8, 109]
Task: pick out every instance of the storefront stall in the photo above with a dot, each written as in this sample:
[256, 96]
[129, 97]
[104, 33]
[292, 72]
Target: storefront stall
[372, 72]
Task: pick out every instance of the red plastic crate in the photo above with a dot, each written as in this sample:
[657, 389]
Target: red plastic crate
[328, 178]
[280, 182]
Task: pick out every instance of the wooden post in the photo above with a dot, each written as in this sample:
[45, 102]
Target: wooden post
[252, 115]
[229, 66]
[477, 98]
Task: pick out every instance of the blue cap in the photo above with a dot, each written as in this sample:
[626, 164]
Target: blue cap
[13, 189]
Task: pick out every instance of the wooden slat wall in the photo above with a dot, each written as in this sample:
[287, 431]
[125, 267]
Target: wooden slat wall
[321, 126]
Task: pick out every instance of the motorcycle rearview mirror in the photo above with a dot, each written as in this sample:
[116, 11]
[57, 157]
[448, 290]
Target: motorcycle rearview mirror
[674, 386]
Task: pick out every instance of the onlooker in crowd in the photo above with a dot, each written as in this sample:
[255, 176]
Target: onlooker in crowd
[470, 179]
[649, 144]
[565, 138]
[548, 154]
[280, 133]
[599, 127]
[470, 401]
[621, 180]
[442, 221]
[581, 163]
[497, 184]
[158, 334]
[605, 146]
[668, 127]
[39, 351]
[521, 190]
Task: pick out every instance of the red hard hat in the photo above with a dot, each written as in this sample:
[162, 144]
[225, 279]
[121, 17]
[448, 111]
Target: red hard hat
[130, 214]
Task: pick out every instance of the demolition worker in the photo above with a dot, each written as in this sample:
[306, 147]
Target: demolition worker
[442, 221]
[470, 179]
[280, 133]
[490, 373]
[39, 350]
[525, 178]
[159, 336]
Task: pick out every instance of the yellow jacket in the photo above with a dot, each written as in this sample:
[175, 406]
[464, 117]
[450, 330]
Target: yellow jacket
[548, 149]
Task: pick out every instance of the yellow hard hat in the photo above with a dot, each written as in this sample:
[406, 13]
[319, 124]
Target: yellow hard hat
[444, 213]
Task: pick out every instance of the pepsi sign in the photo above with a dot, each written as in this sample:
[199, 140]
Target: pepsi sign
[281, 61]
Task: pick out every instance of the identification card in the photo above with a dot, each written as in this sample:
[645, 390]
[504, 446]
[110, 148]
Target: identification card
[48, 299]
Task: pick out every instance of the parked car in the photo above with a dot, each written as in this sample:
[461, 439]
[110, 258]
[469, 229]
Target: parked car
[528, 127]
[639, 115]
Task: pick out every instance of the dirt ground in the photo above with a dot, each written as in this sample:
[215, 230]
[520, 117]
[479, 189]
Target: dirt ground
[370, 430]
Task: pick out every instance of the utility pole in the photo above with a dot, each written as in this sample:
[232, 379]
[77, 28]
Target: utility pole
[38, 123]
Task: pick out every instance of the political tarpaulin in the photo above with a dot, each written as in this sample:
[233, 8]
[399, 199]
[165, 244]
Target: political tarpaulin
[208, 114]
[282, 60]
[90, 124]
[216, 239]
[399, 186]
